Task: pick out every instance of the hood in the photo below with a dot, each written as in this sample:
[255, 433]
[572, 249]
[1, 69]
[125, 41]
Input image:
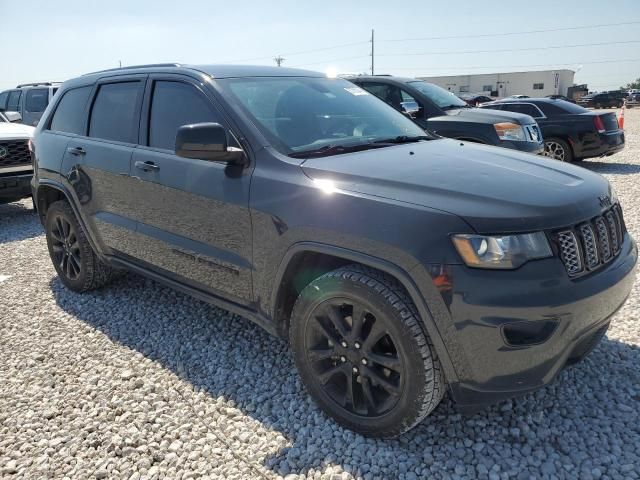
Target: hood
[10, 131]
[485, 115]
[496, 190]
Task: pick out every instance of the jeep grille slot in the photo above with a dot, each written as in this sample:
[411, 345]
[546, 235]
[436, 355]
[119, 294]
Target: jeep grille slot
[570, 252]
[16, 152]
[587, 246]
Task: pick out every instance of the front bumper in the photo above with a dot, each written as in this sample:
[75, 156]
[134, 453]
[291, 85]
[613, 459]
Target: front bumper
[602, 144]
[15, 187]
[483, 303]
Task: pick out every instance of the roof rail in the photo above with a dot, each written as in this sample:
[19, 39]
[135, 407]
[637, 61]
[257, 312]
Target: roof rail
[38, 84]
[133, 67]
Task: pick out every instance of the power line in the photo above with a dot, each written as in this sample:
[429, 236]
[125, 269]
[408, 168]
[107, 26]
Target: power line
[505, 34]
[335, 60]
[523, 66]
[455, 52]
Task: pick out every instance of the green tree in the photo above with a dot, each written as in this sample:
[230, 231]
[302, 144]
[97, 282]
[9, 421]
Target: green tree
[635, 84]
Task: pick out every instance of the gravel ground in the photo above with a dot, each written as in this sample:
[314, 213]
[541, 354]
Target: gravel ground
[138, 381]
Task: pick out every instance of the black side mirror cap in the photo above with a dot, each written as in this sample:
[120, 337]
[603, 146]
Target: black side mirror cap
[207, 141]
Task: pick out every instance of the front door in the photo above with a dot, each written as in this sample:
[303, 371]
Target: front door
[193, 215]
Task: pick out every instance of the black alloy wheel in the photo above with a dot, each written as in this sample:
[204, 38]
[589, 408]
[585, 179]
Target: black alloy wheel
[354, 357]
[65, 248]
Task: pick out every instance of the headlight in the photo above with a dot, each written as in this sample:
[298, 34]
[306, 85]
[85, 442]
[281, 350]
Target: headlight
[501, 251]
[510, 131]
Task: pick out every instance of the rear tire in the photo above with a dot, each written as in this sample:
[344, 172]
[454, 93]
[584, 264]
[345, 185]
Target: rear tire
[77, 265]
[558, 149]
[362, 354]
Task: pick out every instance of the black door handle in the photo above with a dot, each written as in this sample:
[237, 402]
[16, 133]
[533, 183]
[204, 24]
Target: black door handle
[77, 151]
[147, 166]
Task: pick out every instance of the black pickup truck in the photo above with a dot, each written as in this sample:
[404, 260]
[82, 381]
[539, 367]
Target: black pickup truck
[439, 111]
[571, 132]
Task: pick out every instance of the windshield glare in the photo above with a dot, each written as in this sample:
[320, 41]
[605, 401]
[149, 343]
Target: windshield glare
[438, 95]
[300, 113]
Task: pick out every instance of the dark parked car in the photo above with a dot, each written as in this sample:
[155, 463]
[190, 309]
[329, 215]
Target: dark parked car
[475, 99]
[440, 111]
[570, 132]
[397, 265]
[602, 100]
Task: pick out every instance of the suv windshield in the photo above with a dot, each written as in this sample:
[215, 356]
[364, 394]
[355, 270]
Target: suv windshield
[441, 97]
[302, 114]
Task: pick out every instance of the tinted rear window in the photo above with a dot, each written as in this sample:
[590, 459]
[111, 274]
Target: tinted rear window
[561, 107]
[36, 100]
[114, 115]
[525, 108]
[176, 104]
[69, 115]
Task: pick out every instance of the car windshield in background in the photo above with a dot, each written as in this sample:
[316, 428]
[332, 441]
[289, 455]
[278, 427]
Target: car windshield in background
[441, 97]
[319, 115]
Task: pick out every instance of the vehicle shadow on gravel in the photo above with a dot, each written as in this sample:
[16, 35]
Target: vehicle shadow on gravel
[18, 221]
[587, 420]
[611, 168]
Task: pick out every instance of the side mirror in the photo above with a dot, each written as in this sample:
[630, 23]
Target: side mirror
[207, 141]
[410, 109]
[13, 116]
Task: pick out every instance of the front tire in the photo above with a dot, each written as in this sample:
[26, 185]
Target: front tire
[77, 265]
[558, 149]
[362, 354]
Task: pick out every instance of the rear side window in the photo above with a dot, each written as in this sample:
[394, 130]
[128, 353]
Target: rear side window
[114, 114]
[14, 100]
[175, 104]
[69, 115]
[36, 100]
[3, 100]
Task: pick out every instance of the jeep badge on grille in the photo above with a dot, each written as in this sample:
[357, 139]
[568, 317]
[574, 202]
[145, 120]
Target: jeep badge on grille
[605, 201]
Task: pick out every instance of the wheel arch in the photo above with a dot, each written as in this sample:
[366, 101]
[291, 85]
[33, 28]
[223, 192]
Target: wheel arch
[314, 260]
[49, 191]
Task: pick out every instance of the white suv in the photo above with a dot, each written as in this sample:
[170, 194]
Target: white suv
[30, 100]
[16, 168]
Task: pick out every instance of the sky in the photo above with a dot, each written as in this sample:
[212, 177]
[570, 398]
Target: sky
[54, 41]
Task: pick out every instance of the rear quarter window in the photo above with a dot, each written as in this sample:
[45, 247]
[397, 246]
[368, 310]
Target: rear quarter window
[36, 100]
[70, 112]
[114, 115]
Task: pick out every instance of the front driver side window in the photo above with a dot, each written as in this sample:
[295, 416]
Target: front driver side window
[175, 104]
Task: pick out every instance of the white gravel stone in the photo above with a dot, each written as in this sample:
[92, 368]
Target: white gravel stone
[139, 381]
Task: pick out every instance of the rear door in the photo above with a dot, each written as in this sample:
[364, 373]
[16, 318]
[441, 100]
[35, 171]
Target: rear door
[97, 164]
[193, 215]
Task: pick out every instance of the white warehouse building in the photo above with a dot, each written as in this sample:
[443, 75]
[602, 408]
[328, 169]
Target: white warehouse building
[533, 84]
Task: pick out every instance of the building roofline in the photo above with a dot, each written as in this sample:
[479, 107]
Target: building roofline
[500, 73]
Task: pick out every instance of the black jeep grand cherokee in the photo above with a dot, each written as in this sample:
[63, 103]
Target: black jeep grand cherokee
[397, 266]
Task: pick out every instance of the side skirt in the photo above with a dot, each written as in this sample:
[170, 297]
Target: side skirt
[240, 310]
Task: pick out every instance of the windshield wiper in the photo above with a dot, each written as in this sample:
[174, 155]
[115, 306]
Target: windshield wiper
[334, 149]
[404, 139]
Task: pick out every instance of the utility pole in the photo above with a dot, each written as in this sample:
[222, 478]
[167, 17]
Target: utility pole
[372, 52]
[279, 59]
[120, 63]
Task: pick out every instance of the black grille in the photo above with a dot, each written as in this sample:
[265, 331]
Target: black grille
[587, 246]
[14, 152]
